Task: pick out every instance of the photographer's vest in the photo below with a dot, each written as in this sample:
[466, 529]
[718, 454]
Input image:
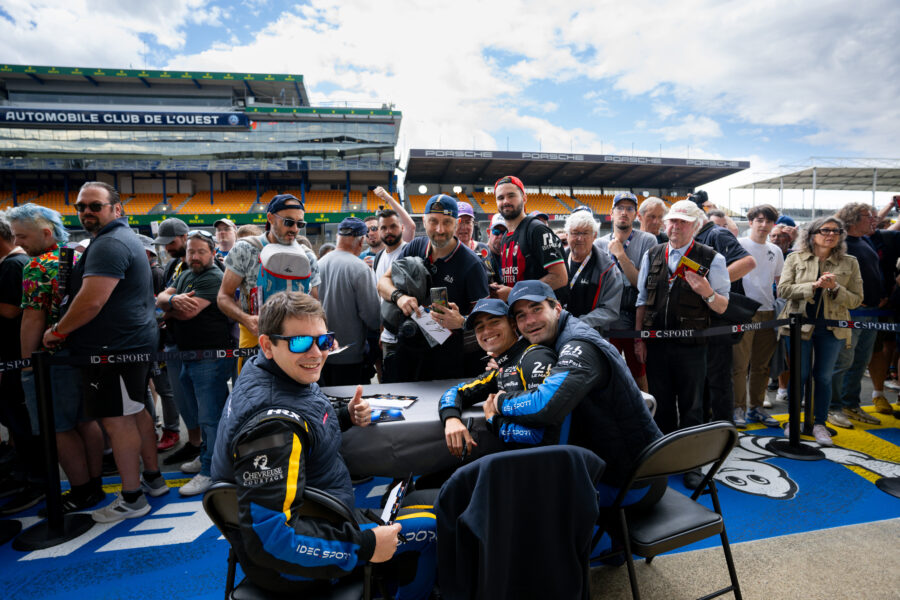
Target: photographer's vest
[678, 306]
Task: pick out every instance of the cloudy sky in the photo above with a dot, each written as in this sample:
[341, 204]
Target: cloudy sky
[772, 82]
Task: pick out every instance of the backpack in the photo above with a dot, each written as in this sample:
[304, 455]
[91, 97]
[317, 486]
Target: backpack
[281, 269]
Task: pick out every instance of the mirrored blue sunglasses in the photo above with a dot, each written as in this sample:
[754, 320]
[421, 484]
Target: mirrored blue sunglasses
[299, 344]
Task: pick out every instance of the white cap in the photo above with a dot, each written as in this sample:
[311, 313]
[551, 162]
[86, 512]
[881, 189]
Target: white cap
[497, 219]
[684, 210]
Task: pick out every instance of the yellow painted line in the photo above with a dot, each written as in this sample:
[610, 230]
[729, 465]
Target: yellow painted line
[112, 488]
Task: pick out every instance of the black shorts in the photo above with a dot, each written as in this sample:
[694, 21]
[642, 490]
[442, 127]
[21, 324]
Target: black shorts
[115, 390]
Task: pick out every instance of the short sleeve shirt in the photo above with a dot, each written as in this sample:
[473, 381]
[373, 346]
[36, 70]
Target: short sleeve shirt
[11, 293]
[40, 285]
[210, 327]
[243, 259]
[635, 249]
[543, 247]
[460, 272]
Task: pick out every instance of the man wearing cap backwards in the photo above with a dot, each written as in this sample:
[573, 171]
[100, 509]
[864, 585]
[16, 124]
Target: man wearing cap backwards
[465, 230]
[673, 297]
[452, 266]
[627, 247]
[284, 219]
[520, 366]
[226, 235]
[350, 301]
[530, 249]
[589, 394]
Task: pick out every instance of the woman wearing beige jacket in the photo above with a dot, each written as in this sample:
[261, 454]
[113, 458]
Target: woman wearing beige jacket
[821, 281]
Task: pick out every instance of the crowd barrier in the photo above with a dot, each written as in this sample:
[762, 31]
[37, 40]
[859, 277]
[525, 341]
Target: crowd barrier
[59, 528]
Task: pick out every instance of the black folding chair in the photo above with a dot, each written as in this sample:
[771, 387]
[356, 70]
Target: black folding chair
[676, 520]
[220, 503]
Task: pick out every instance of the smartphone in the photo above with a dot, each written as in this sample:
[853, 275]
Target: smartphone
[439, 296]
[897, 202]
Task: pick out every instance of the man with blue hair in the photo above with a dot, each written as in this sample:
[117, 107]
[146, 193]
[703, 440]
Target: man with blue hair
[40, 232]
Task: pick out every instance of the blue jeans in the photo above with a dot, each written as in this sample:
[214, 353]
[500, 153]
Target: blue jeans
[205, 384]
[827, 347]
[845, 394]
[187, 409]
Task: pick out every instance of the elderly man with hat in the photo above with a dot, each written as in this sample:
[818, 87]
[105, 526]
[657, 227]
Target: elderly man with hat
[351, 304]
[226, 236]
[681, 284]
[465, 232]
[452, 267]
[245, 265]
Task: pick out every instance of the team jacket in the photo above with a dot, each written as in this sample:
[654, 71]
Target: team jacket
[277, 436]
[591, 389]
[521, 367]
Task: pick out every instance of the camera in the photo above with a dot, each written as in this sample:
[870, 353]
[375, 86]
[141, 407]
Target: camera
[699, 198]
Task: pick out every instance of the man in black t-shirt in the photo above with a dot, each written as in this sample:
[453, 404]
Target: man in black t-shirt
[452, 266]
[530, 249]
[198, 324]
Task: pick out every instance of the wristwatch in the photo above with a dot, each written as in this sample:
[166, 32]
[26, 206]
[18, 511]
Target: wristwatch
[395, 295]
[711, 298]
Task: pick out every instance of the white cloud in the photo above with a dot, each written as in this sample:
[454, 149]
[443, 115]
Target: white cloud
[691, 127]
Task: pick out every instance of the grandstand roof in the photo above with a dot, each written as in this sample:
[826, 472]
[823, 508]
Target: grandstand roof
[882, 178]
[287, 89]
[477, 167]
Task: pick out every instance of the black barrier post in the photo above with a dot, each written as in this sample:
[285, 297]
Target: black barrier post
[792, 448]
[58, 528]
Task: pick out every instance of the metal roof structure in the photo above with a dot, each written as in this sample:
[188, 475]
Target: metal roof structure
[845, 174]
[549, 169]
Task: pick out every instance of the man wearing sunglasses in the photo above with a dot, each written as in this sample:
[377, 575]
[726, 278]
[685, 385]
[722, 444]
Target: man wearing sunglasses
[279, 434]
[495, 242]
[373, 240]
[111, 311]
[243, 269]
[198, 324]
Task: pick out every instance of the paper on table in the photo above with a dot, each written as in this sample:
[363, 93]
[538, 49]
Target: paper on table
[386, 403]
[431, 328]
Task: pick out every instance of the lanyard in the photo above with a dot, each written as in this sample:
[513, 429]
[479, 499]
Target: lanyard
[675, 273]
[574, 277]
[624, 245]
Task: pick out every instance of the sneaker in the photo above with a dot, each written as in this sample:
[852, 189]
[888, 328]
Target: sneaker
[739, 419]
[839, 420]
[109, 465]
[781, 395]
[787, 430]
[186, 453]
[118, 510]
[693, 479]
[862, 416]
[155, 487]
[167, 441]
[767, 403]
[759, 415]
[73, 503]
[820, 432]
[773, 385]
[882, 405]
[192, 466]
[199, 484]
[892, 384]
[24, 500]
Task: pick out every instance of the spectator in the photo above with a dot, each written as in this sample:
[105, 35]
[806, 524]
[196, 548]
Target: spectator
[650, 214]
[373, 239]
[821, 281]
[172, 236]
[563, 238]
[530, 249]
[302, 441]
[540, 216]
[754, 351]
[521, 366]
[452, 267]
[859, 220]
[627, 246]
[465, 230]
[589, 392]
[325, 249]
[719, 218]
[496, 234]
[198, 324]
[595, 284]
[783, 236]
[247, 231]
[350, 302]
[718, 404]
[243, 268]
[226, 236]
[27, 487]
[673, 297]
[112, 311]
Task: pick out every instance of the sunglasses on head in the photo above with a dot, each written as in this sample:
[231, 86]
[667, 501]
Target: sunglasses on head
[199, 232]
[94, 206]
[298, 344]
[290, 222]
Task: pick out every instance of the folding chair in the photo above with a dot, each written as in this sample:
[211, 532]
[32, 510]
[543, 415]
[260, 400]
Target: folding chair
[220, 503]
[677, 520]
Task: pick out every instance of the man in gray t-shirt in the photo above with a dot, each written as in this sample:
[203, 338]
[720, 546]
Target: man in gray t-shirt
[351, 304]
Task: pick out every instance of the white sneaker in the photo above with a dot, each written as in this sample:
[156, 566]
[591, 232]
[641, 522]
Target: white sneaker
[191, 467]
[822, 436]
[838, 419]
[197, 485]
[767, 403]
[780, 396]
[118, 509]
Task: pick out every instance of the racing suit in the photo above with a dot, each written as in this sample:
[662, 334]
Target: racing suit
[277, 436]
[521, 367]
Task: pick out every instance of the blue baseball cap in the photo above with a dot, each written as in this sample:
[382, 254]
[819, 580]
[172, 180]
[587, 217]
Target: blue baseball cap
[283, 201]
[353, 227]
[582, 208]
[625, 196]
[533, 290]
[786, 220]
[539, 215]
[442, 204]
[490, 306]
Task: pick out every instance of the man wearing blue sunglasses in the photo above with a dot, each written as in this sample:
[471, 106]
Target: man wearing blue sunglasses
[278, 434]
